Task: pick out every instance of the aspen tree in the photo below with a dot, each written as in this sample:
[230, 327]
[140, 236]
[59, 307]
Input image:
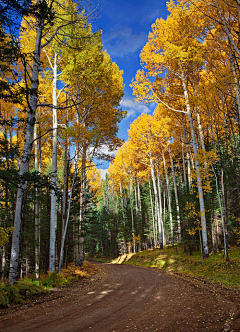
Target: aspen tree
[172, 56]
[43, 14]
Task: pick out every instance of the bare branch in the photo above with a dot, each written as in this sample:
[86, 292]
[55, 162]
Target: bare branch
[172, 109]
[49, 60]
[61, 91]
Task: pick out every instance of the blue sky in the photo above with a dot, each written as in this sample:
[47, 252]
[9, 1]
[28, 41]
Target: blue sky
[125, 25]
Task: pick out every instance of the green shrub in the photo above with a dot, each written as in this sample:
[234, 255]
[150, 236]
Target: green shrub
[29, 287]
[54, 279]
[20, 291]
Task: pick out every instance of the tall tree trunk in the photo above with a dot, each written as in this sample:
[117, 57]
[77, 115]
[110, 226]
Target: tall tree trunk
[68, 211]
[160, 207]
[157, 203]
[153, 215]
[139, 200]
[6, 212]
[236, 86]
[123, 216]
[169, 198]
[197, 165]
[131, 207]
[54, 172]
[13, 274]
[37, 220]
[83, 202]
[188, 155]
[135, 196]
[200, 129]
[65, 190]
[184, 166]
[122, 203]
[222, 216]
[176, 196]
[224, 212]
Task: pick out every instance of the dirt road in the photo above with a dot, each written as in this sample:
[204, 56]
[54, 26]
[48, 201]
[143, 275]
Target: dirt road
[128, 298]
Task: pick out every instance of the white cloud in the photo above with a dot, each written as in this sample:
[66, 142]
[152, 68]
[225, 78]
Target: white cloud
[151, 17]
[133, 108]
[103, 173]
[104, 149]
[121, 41]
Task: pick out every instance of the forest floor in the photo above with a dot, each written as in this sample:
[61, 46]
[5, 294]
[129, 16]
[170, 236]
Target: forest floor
[129, 298]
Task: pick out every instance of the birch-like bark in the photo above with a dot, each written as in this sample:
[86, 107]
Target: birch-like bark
[223, 187]
[188, 155]
[228, 33]
[135, 196]
[68, 211]
[13, 273]
[65, 189]
[169, 198]
[176, 195]
[160, 207]
[122, 203]
[236, 84]
[54, 171]
[197, 165]
[157, 203]
[6, 215]
[131, 207]
[153, 216]
[164, 207]
[37, 220]
[139, 200]
[225, 124]
[4, 246]
[200, 129]
[82, 216]
[184, 166]
[123, 215]
[222, 218]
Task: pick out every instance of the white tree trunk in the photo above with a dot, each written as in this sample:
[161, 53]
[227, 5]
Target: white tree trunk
[82, 217]
[176, 196]
[160, 207]
[54, 171]
[139, 199]
[65, 192]
[222, 218]
[188, 155]
[122, 203]
[227, 31]
[135, 196]
[157, 204]
[200, 129]
[197, 165]
[236, 83]
[37, 220]
[169, 199]
[153, 215]
[26, 153]
[184, 166]
[68, 211]
[131, 207]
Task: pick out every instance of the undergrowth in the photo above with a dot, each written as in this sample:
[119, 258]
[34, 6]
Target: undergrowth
[30, 287]
[174, 259]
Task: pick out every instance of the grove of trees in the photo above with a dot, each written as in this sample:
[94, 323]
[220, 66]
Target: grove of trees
[176, 180]
[60, 96]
